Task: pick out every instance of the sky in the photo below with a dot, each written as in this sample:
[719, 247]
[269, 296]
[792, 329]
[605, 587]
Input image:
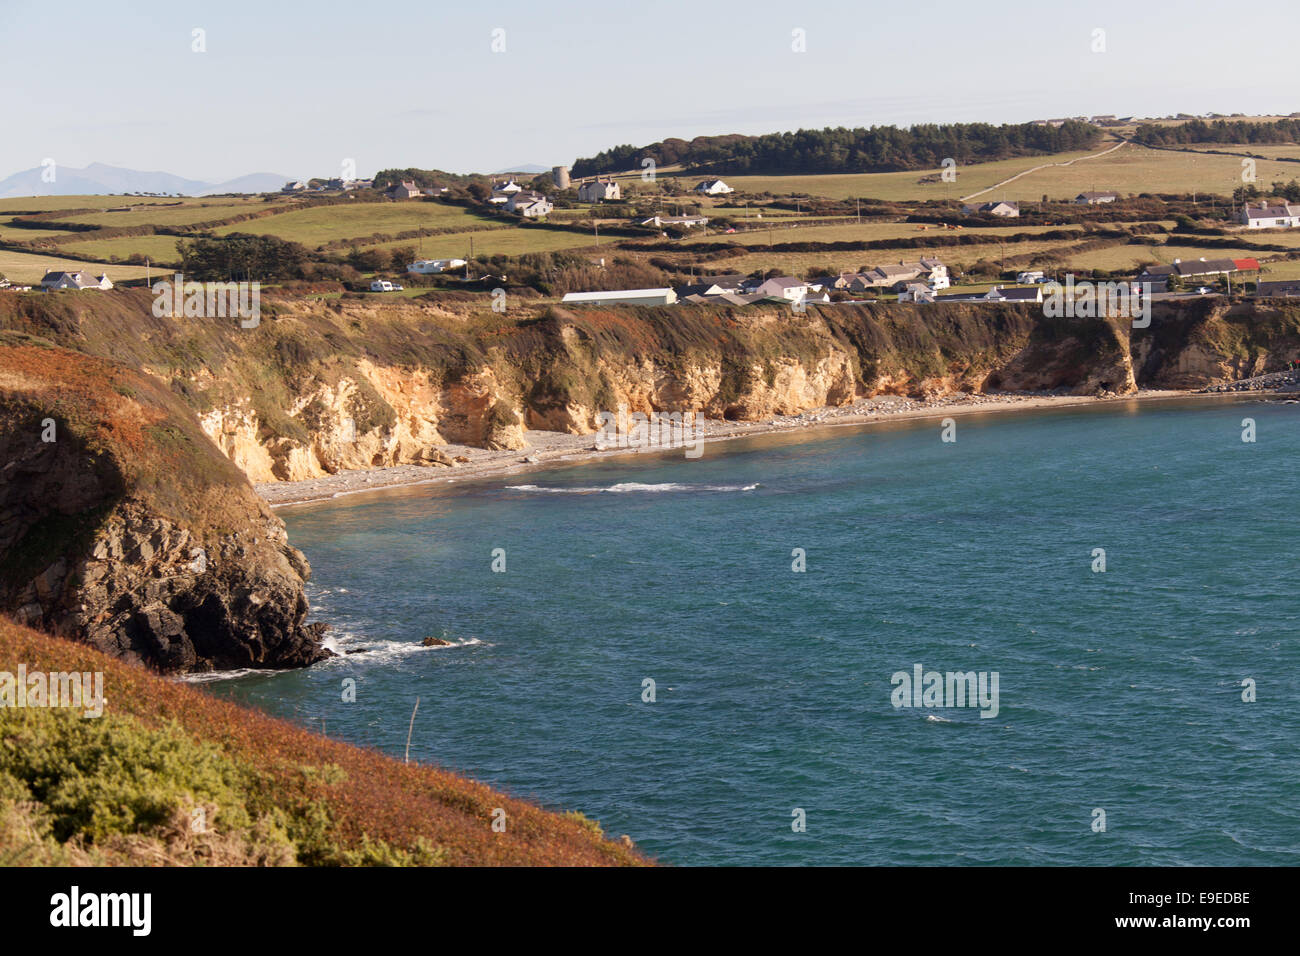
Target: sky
[300, 88]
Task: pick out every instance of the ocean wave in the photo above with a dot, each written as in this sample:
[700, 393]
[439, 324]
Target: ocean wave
[627, 487]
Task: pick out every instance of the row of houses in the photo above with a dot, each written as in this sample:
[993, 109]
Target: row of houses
[926, 271]
[1156, 278]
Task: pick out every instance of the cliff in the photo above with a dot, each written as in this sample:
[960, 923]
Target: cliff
[122, 525]
[136, 532]
[170, 775]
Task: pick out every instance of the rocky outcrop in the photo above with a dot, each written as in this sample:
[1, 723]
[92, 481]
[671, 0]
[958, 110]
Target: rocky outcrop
[122, 526]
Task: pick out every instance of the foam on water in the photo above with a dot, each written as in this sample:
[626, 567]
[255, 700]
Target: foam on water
[627, 487]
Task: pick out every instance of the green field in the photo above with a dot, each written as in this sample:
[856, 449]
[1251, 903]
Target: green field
[156, 248]
[1129, 170]
[183, 215]
[10, 233]
[512, 241]
[34, 204]
[26, 268]
[854, 232]
[322, 224]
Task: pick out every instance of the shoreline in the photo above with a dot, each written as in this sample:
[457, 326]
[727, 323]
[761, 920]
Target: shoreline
[553, 448]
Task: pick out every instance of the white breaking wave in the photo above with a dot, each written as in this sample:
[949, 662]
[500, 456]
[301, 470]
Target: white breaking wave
[626, 487]
[371, 651]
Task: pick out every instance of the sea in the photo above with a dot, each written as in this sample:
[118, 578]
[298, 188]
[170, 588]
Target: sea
[1056, 636]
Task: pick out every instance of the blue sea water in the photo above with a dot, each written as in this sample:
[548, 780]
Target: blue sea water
[1118, 691]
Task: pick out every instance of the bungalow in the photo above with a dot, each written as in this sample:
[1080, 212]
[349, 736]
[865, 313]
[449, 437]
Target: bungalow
[713, 187]
[996, 294]
[1265, 216]
[529, 204]
[599, 190]
[1094, 199]
[622, 297]
[426, 267]
[1002, 208]
[403, 190]
[74, 280]
[296, 186]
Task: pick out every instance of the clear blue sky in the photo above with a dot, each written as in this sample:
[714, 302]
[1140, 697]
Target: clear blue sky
[294, 88]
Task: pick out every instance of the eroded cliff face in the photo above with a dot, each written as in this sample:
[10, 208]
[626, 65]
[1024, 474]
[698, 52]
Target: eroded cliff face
[122, 526]
[321, 387]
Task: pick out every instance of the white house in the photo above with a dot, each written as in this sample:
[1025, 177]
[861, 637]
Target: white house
[622, 297]
[1008, 210]
[713, 187]
[74, 280]
[599, 190]
[427, 267]
[529, 204]
[1264, 216]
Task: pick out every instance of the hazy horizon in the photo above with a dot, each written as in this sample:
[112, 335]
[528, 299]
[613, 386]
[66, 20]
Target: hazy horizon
[297, 94]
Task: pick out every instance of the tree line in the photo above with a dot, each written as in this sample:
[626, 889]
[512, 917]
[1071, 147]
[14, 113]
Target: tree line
[841, 150]
[1219, 131]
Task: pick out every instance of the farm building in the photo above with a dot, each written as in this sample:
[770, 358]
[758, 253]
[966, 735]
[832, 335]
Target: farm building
[622, 297]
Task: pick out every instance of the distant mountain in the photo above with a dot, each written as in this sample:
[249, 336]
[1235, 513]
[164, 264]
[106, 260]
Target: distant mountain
[97, 179]
[525, 168]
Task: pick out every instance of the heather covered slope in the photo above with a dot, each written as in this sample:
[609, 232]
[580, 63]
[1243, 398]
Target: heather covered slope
[122, 525]
[170, 775]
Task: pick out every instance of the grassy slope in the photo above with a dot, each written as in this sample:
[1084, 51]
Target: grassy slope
[122, 789]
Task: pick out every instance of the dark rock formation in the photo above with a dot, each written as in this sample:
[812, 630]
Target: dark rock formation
[121, 524]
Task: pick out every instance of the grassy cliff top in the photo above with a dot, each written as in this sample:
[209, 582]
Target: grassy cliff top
[128, 787]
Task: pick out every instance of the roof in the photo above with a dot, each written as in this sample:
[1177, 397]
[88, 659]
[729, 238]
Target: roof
[1105, 195]
[783, 282]
[1021, 295]
[1275, 211]
[616, 294]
